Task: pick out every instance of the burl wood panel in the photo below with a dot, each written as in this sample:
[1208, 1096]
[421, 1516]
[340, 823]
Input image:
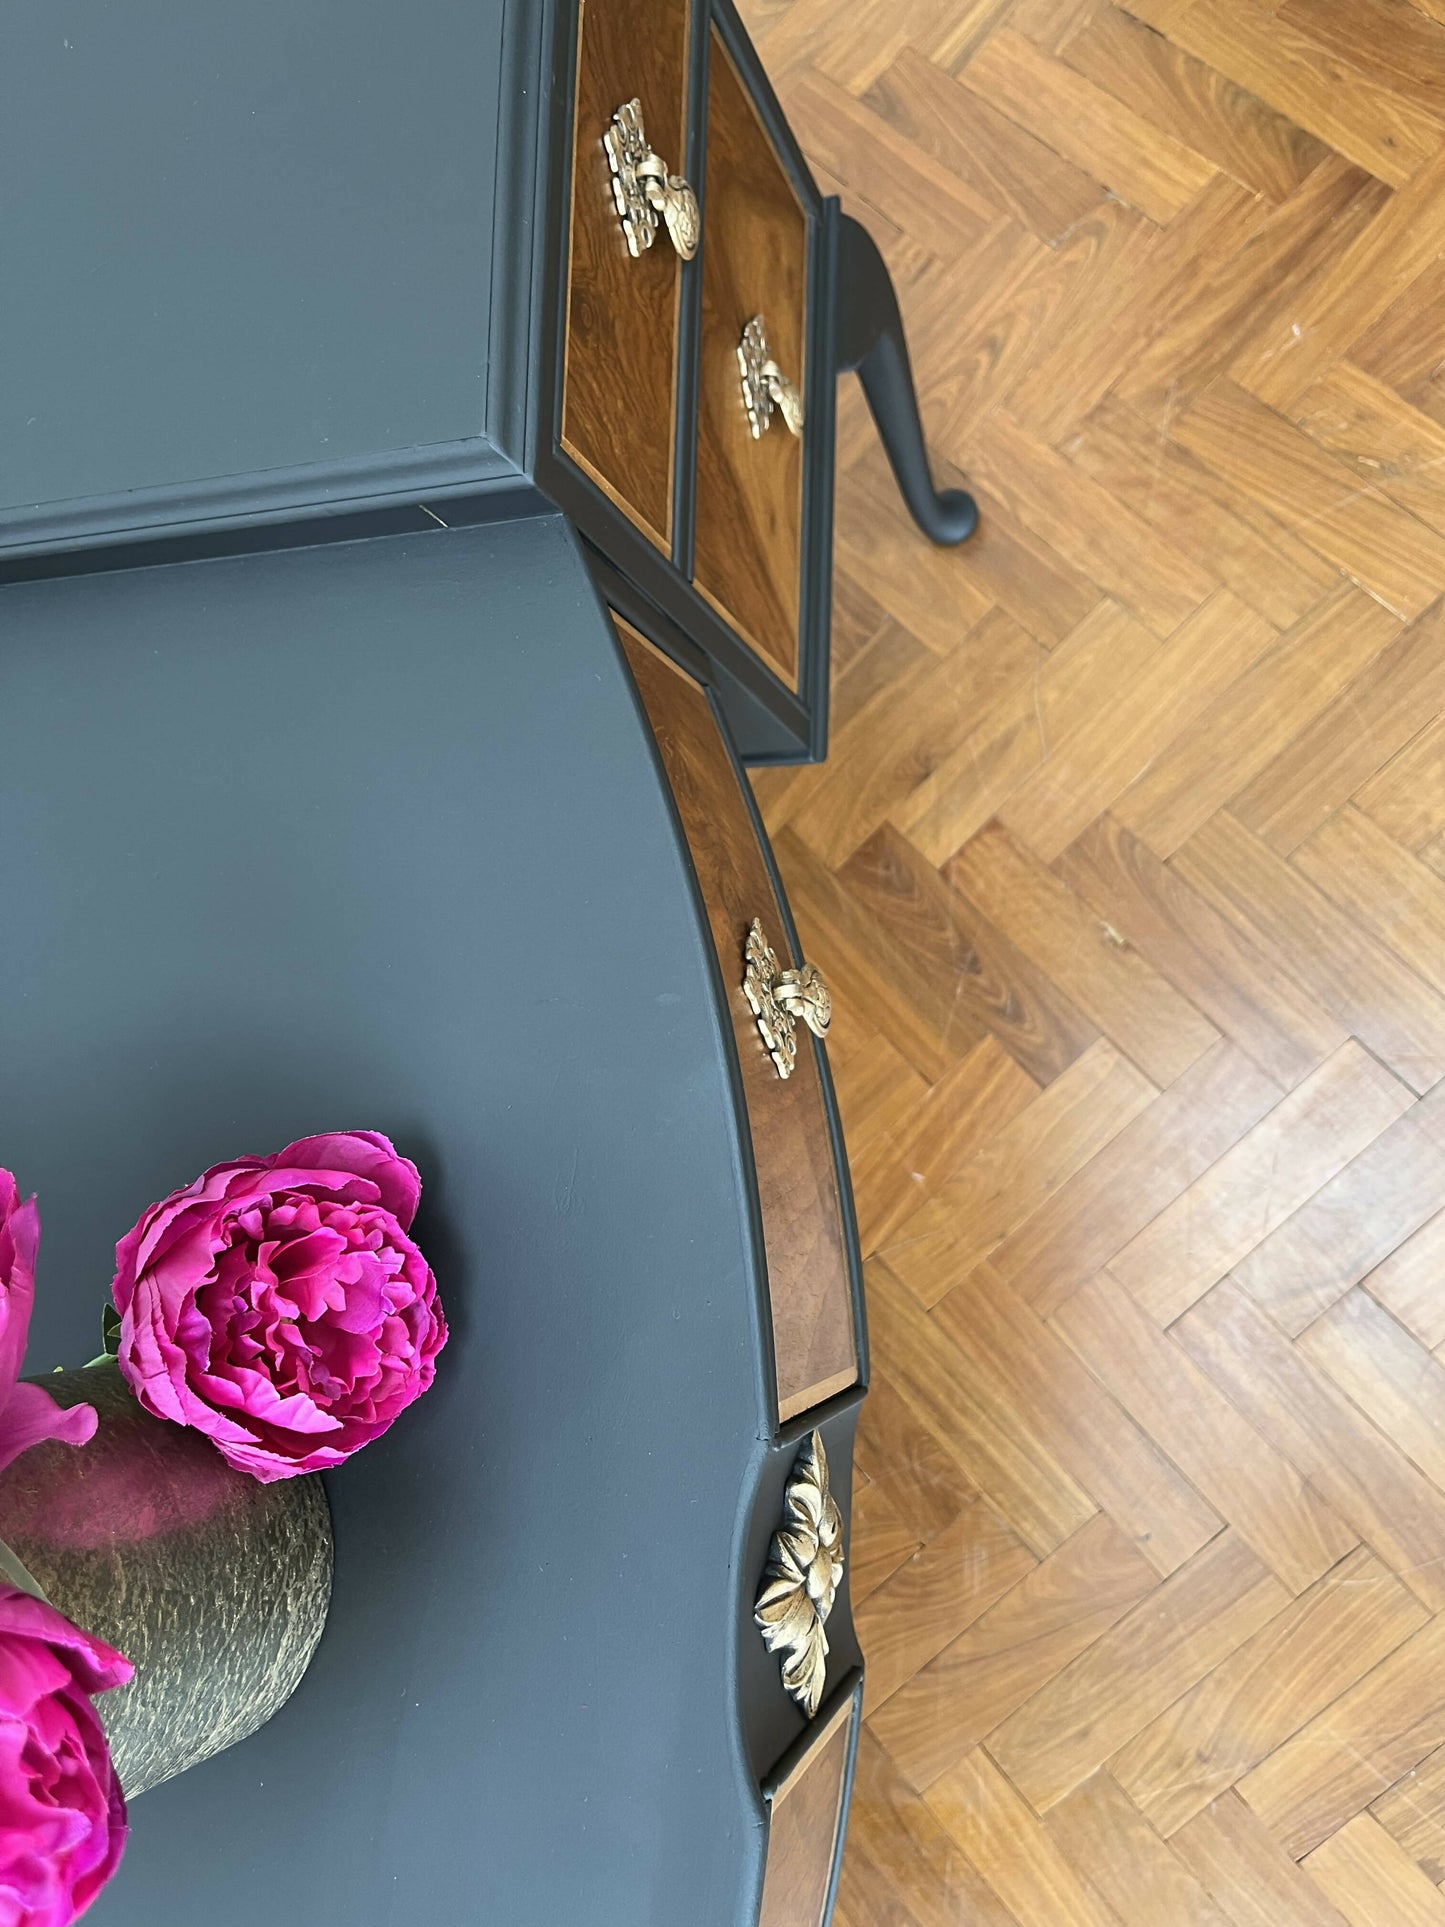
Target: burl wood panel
[804, 1828]
[813, 1334]
[619, 401]
[749, 534]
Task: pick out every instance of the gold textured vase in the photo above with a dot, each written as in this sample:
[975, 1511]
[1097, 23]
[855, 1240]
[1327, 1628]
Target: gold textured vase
[214, 1586]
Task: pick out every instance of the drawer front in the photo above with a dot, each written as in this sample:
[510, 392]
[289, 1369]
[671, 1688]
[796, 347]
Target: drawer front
[805, 1813]
[619, 398]
[812, 1306]
[749, 515]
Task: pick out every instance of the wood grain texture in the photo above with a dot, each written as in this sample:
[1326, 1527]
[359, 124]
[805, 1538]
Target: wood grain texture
[749, 513]
[619, 397]
[813, 1339]
[1127, 863]
[803, 1819]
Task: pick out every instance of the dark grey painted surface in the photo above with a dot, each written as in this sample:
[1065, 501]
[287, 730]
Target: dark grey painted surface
[241, 239]
[366, 835]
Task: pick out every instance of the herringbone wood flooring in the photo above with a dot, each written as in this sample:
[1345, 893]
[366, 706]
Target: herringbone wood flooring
[1128, 873]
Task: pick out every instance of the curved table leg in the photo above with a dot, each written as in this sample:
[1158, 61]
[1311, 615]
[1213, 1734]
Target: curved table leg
[870, 339]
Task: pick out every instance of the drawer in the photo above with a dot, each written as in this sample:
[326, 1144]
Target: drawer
[619, 395]
[749, 511]
[806, 1813]
[814, 1340]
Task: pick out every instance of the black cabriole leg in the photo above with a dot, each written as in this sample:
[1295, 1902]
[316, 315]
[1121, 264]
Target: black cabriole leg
[870, 339]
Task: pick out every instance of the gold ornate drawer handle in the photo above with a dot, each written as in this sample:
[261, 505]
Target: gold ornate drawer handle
[780, 998]
[643, 190]
[765, 386]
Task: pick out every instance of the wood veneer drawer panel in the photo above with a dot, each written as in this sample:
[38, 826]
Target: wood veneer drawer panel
[804, 1815]
[619, 400]
[749, 519]
[812, 1304]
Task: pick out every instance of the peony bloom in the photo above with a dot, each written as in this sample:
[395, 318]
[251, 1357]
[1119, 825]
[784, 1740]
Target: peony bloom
[278, 1305]
[28, 1414]
[62, 1817]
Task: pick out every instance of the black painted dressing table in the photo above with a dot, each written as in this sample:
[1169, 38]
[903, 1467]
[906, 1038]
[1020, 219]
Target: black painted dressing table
[415, 496]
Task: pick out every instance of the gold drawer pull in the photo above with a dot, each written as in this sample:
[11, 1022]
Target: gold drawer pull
[765, 386]
[780, 998]
[643, 189]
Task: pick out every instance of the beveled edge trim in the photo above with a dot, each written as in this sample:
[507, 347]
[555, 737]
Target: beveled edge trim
[815, 1395]
[814, 1744]
[614, 495]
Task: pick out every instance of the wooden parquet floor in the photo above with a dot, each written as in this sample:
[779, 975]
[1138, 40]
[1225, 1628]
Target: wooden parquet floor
[1128, 872]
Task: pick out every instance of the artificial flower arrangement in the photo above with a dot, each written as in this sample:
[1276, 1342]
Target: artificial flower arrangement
[279, 1311]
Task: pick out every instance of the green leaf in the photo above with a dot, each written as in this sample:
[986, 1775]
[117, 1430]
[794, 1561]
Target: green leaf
[110, 1331]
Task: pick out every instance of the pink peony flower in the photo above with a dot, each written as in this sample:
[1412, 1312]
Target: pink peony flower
[278, 1305]
[62, 1817]
[28, 1413]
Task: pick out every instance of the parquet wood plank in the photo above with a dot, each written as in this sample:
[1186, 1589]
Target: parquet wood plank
[1410, 1284]
[1402, 241]
[878, 1090]
[1194, 102]
[882, 1541]
[1011, 1849]
[1413, 1814]
[964, 132]
[1375, 714]
[1257, 718]
[1102, 1834]
[1124, 1186]
[1250, 999]
[1024, 1364]
[1134, 1006]
[1385, 442]
[1272, 268]
[1078, 684]
[937, 606]
[1296, 1666]
[1007, 1178]
[993, 1444]
[1355, 1749]
[1352, 1223]
[1021, 573]
[1370, 1879]
[1200, 662]
[1058, 389]
[1273, 1509]
[933, 1595]
[1403, 348]
[1387, 1500]
[1141, 164]
[934, 207]
[896, 1846]
[926, 1487]
[1353, 525]
[1406, 797]
[1064, 1605]
[1159, 584]
[1030, 312]
[1387, 889]
[1302, 80]
[1259, 558]
[1393, 1379]
[943, 1129]
[1398, 47]
[911, 728]
[1253, 1188]
[891, 923]
[1245, 1868]
[1390, 1009]
[1158, 1651]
